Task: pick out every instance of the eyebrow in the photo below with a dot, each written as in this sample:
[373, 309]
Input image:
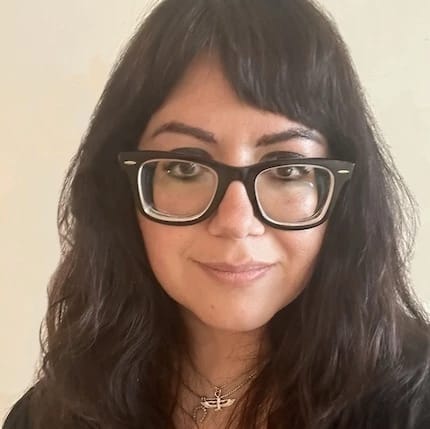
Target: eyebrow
[265, 140]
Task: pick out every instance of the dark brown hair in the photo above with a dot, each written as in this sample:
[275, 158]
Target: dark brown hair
[351, 351]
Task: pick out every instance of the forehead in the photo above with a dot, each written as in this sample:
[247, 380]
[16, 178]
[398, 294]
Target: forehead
[204, 98]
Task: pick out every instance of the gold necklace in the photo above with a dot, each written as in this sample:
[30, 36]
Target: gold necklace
[218, 401]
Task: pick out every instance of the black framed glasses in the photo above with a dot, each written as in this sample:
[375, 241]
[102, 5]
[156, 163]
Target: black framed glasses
[182, 189]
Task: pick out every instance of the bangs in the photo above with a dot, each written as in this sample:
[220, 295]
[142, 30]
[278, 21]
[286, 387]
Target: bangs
[278, 57]
[281, 56]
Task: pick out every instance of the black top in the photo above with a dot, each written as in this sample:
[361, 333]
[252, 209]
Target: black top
[18, 417]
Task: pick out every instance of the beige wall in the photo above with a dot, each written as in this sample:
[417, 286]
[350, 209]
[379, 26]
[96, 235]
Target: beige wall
[55, 57]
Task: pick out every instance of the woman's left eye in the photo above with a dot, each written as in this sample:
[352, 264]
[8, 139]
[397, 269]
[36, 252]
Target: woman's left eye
[290, 172]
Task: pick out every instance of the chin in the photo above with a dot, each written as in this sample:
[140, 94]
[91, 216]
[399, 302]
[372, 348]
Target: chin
[244, 323]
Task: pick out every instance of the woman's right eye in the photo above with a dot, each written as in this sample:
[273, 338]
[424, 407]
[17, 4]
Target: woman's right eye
[182, 169]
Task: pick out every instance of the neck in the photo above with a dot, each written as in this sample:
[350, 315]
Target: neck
[220, 357]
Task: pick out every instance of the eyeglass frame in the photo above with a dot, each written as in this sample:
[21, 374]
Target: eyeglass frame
[340, 171]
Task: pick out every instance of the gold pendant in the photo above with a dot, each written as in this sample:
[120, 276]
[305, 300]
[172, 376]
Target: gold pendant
[217, 403]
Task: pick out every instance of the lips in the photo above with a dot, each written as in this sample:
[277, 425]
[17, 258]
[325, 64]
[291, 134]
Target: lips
[236, 268]
[236, 273]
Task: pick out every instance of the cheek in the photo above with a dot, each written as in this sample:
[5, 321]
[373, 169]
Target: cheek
[298, 252]
[166, 247]
[304, 242]
[300, 249]
[159, 240]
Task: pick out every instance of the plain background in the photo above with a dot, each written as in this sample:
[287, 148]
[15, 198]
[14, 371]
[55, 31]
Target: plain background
[55, 58]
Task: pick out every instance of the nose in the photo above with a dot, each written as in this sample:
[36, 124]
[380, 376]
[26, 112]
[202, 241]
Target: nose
[234, 217]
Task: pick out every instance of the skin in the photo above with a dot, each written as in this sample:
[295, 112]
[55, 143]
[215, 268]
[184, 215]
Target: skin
[226, 320]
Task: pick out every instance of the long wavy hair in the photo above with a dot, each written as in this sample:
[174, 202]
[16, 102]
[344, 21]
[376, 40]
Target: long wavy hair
[351, 351]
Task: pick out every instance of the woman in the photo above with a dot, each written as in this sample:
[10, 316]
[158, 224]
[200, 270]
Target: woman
[234, 244]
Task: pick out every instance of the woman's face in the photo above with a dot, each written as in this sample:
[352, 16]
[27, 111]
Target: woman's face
[231, 271]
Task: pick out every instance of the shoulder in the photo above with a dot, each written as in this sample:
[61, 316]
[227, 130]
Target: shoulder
[18, 417]
[423, 421]
[417, 371]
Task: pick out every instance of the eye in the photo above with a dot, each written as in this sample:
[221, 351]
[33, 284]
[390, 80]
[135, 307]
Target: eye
[290, 172]
[183, 169]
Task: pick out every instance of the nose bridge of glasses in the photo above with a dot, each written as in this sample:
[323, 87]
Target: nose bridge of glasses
[232, 174]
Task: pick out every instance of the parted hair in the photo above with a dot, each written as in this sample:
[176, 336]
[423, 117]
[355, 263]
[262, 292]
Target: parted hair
[350, 351]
